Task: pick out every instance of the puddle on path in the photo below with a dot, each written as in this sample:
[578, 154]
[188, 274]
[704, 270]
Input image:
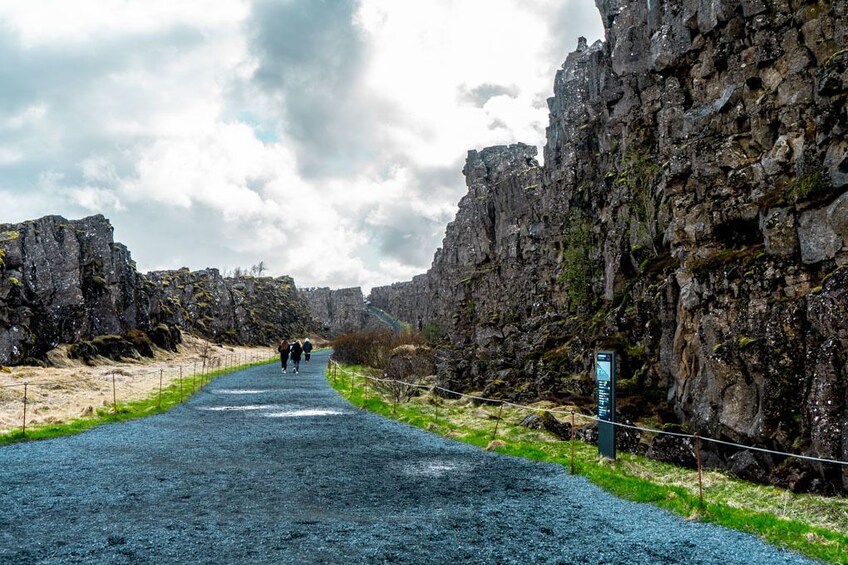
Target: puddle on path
[434, 468]
[241, 391]
[302, 413]
[239, 408]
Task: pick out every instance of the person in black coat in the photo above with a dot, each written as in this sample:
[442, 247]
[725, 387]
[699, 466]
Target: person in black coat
[307, 350]
[283, 348]
[296, 350]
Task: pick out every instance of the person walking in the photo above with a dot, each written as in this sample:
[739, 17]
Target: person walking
[296, 350]
[283, 348]
[307, 350]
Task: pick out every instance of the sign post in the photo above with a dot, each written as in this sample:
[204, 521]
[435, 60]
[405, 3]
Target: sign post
[605, 376]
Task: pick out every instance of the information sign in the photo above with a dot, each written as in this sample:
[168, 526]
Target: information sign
[605, 377]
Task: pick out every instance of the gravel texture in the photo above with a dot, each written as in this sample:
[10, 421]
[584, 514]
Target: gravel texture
[269, 468]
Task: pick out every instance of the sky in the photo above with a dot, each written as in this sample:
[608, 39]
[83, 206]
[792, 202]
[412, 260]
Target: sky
[322, 138]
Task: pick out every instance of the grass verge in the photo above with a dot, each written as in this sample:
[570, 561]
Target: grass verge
[174, 394]
[814, 526]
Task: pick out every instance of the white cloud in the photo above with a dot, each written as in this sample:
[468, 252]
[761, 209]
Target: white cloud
[57, 22]
[95, 199]
[9, 155]
[188, 121]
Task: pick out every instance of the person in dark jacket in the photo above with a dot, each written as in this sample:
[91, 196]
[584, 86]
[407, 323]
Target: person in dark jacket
[296, 350]
[307, 350]
[283, 348]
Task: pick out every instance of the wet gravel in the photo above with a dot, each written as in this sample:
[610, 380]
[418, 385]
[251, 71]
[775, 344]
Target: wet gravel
[269, 468]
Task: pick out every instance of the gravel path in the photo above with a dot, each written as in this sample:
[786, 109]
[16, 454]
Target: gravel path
[270, 468]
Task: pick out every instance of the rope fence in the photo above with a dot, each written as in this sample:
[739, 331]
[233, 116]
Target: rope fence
[140, 386]
[573, 414]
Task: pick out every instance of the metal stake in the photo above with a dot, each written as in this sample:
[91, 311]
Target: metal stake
[114, 396]
[572, 442]
[23, 425]
[498, 421]
[700, 482]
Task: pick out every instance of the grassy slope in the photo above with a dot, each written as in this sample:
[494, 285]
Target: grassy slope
[177, 392]
[813, 525]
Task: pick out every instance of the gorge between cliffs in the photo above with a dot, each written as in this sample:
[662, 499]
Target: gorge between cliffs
[690, 213]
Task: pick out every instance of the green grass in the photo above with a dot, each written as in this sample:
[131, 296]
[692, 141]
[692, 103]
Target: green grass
[815, 526]
[177, 392]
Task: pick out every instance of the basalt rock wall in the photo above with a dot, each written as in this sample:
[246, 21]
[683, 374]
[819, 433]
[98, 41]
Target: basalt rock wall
[67, 281]
[244, 310]
[691, 213]
[336, 312]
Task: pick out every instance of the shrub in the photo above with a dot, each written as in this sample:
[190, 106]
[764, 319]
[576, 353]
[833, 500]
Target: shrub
[371, 348]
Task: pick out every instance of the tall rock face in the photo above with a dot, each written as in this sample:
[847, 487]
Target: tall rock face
[336, 312]
[66, 281]
[692, 213]
[245, 310]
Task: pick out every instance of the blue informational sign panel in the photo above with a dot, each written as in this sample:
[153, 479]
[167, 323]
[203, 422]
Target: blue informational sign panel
[605, 377]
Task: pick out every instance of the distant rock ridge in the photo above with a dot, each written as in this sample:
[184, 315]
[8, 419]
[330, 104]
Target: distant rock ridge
[338, 311]
[67, 282]
[691, 213]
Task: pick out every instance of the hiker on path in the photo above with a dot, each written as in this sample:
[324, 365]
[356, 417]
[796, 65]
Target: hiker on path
[307, 350]
[296, 350]
[283, 348]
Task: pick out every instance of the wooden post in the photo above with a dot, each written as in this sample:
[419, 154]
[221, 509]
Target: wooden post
[181, 386]
[498, 421]
[114, 396]
[160, 389]
[700, 482]
[572, 442]
[23, 425]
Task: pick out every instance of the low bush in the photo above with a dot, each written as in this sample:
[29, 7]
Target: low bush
[371, 348]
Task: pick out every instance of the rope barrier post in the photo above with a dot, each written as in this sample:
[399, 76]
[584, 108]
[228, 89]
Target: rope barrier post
[23, 425]
[114, 396]
[181, 388]
[497, 422]
[572, 442]
[700, 482]
[160, 389]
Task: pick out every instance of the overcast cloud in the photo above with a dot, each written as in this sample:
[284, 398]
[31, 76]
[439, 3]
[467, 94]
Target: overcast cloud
[323, 137]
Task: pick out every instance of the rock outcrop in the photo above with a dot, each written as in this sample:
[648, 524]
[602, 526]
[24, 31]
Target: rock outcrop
[244, 309]
[67, 281]
[690, 213]
[336, 312]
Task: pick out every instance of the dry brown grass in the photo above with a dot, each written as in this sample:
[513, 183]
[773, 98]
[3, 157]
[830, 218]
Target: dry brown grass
[73, 389]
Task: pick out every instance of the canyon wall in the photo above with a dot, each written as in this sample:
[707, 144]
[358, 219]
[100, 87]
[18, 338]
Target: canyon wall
[68, 282]
[691, 213]
[336, 312]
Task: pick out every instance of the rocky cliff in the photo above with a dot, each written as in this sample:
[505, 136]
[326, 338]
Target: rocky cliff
[67, 281]
[336, 312]
[245, 309]
[691, 213]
